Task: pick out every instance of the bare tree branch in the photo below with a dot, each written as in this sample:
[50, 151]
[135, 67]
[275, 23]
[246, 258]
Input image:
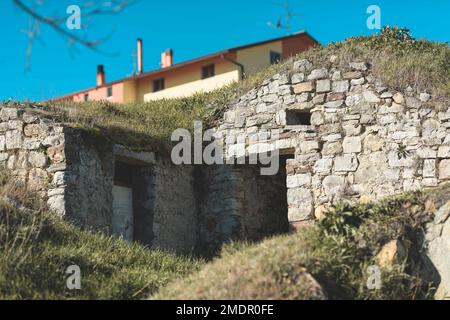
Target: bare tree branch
[57, 23]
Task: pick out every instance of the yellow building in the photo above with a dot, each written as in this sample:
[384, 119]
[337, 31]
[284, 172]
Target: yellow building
[198, 75]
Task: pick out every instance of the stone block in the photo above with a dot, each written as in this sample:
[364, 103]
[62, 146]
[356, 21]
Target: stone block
[297, 78]
[340, 86]
[352, 144]
[345, 163]
[333, 185]
[37, 159]
[429, 168]
[56, 153]
[443, 152]
[444, 169]
[318, 74]
[323, 166]
[304, 87]
[298, 180]
[323, 86]
[13, 139]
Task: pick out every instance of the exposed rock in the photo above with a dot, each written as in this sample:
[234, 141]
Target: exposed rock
[358, 82]
[332, 148]
[15, 125]
[302, 65]
[320, 212]
[437, 260]
[318, 74]
[394, 252]
[334, 104]
[425, 97]
[399, 98]
[59, 178]
[360, 66]
[396, 161]
[354, 99]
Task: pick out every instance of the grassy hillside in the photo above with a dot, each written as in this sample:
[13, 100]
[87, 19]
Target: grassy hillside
[36, 248]
[336, 252]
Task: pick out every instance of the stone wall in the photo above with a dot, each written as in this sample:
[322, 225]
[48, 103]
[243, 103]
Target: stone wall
[174, 207]
[346, 135]
[32, 148]
[215, 194]
[73, 172]
[235, 202]
[87, 181]
[352, 137]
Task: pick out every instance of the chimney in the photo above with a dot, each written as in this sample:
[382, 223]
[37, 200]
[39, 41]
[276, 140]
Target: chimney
[167, 58]
[100, 75]
[140, 58]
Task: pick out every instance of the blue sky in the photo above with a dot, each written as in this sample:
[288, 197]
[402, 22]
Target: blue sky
[192, 28]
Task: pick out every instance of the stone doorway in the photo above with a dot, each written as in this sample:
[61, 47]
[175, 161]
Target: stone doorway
[132, 217]
[262, 201]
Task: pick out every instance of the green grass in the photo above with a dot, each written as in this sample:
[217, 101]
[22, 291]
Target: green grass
[37, 247]
[336, 252]
[141, 126]
[396, 58]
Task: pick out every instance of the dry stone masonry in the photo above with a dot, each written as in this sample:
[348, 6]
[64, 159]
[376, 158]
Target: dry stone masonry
[343, 135]
[349, 136]
[33, 149]
[75, 173]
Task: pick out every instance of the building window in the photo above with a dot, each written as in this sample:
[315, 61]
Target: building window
[208, 71]
[158, 85]
[109, 92]
[298, 117]
[86, 97]
[275, 57]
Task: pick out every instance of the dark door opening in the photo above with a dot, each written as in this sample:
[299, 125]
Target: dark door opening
[131, 217]
[264, 202]
[122, 207]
